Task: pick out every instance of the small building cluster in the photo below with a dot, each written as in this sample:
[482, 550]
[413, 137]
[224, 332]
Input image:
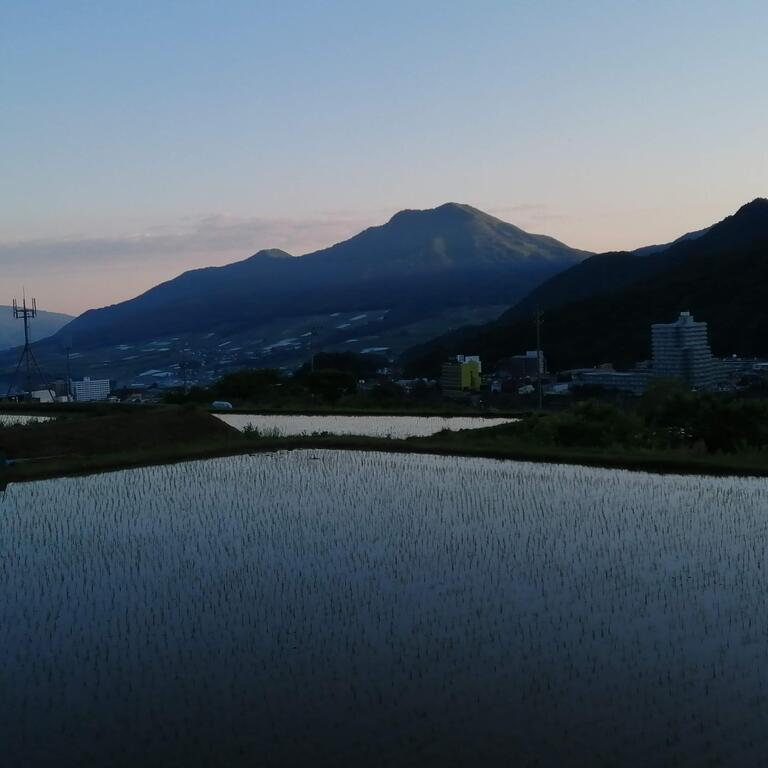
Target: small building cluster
[61, 391]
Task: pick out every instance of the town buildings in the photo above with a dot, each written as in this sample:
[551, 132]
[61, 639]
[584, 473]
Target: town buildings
[680, 351]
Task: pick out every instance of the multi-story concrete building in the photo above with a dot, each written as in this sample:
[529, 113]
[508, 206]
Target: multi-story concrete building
[91, 389]
[461, 375]
[528, 366]
[681, 350]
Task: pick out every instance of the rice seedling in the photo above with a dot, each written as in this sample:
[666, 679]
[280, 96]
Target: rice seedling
[20, 419]
[335, 608]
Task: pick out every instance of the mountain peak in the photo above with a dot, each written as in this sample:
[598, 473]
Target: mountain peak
[758, 207]
[460, 208]
[758, 202]
[447, 211]
[271, 253]
[748, 224]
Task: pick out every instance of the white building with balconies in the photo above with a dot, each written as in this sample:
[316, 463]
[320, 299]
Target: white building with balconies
[91, 389]
[681, 351]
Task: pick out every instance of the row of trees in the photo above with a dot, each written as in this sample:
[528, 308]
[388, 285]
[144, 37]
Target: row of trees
[328, 379]
[666, 416]
[268, 386]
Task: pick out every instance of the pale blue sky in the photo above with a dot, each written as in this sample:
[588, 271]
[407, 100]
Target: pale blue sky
[139, 139]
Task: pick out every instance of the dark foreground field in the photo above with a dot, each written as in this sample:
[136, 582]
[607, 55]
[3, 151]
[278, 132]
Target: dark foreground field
[356, 608]
[103, 438]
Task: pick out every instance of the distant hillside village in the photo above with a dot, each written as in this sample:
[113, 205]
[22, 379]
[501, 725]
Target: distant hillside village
[680, 350]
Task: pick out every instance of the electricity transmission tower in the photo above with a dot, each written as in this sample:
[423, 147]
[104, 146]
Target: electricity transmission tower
[27, 359]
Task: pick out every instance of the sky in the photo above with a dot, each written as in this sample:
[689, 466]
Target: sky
[142, 139]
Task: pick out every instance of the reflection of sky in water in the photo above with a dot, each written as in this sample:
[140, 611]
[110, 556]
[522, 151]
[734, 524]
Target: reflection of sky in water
[334, 608]
[372, 426]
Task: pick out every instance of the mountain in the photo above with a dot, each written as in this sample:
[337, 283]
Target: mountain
[601, 274]
[12, 330]
[388, 287]
[720, 275]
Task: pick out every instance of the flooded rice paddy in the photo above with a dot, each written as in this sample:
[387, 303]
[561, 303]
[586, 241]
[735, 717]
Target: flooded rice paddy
[13, 419]
[333, 608]
[372, 426]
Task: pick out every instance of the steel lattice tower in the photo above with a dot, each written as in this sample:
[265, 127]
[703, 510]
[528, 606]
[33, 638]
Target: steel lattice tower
[27, 358]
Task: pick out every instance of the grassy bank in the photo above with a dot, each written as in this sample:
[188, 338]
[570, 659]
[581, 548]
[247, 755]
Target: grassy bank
[102, 439]
[445, 410]
[76, 409]
[168, 435]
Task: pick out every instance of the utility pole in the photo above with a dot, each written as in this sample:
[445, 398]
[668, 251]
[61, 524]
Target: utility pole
[538, 357]
[184, 366]
[68, 350]
[312, 349]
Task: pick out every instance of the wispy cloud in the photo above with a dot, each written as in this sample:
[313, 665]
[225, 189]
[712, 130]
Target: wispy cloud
[71, 274]
[206, 235]
[520, 208]
[530, 216]
[77, 272]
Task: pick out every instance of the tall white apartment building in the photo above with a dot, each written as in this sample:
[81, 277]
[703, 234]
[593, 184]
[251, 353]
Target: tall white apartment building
[681, 350]
[91, 389]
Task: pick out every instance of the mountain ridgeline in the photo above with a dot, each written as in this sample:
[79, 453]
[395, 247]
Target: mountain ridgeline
[601, 309]
[599, 275]
[419, 263]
